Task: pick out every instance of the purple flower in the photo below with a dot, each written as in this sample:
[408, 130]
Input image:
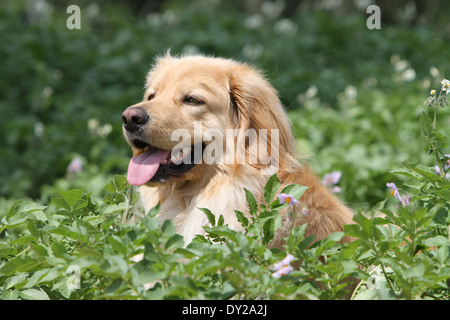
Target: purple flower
[446, 168]
[283, 271]
[336, 189]
[75, 166]
[285, 198]
[394, 191]
[332, 178]
[283, 267]
[405, 200]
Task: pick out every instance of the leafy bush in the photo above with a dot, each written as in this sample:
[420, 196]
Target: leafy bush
[63, 91]
[80, 249]
[61, 100]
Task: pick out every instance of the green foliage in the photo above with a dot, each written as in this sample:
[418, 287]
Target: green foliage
[61, 99]
[78, 248]
[64, 235]
[411, 245]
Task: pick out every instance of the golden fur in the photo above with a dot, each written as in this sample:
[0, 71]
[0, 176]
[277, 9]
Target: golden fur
[236, 95]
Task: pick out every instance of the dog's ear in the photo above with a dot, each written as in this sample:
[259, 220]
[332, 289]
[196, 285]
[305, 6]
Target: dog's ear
[250, 93]
[256, 103]
[257, 106]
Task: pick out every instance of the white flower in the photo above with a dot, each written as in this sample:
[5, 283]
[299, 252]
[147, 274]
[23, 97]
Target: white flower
[445, 86]
[252, 52]
[254, 22]
[285, 27]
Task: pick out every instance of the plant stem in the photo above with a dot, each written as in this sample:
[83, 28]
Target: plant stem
[386, 277]
[435, 112]
[374, 248]
[435, 153]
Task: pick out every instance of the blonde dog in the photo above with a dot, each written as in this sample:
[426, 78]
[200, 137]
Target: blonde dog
[234, 134]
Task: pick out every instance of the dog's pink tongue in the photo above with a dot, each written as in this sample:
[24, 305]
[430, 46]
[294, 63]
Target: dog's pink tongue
[142, 168]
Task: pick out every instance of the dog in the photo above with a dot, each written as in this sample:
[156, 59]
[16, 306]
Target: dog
[228, 111]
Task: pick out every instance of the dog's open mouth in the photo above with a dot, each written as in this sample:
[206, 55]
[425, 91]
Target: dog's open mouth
[158, 165]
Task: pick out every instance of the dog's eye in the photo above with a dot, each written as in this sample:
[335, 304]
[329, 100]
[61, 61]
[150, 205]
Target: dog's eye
[192, 101]
[150, 96]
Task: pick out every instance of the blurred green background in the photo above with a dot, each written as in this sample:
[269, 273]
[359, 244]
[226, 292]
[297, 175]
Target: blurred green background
[353, 94]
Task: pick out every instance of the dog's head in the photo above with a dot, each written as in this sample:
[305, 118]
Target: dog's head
[199, 106]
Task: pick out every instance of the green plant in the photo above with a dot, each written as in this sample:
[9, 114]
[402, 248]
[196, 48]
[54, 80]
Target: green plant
[410, 244]
[351, 114]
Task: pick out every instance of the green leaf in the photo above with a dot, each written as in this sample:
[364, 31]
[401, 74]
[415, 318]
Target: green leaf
[63, 230]
[187, 253]
[38, 215]
[294, 190]
[444, 194]
[265, 215]
[117, 184]
[40, 250]
[336, 236]
[23, 206]
[306, 243]
[155, 210]
[209, 215]
[24, 240]
[19, 264]
[241, 218]
[222, 231]
[22, 210]
[221, 221]
[366, 224]
[175, 241]
[271, 188]
[251, 200]
[151, 223]
[415, 271]
[268, 230]
[15, 280]
[355, 230]
[425, 124]
[115, 208]
[436, 241]
[58, 249]
[36, 277]
[424, 171]
[413, 183]
[71, 197]
[33, 294]
[442, 254]
[117, 244]
[168, 228]
[9, 295]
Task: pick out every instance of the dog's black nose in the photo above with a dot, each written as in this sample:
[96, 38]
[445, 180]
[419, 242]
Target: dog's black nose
[134, 118]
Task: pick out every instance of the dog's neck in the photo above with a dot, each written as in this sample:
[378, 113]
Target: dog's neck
[220, 189]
